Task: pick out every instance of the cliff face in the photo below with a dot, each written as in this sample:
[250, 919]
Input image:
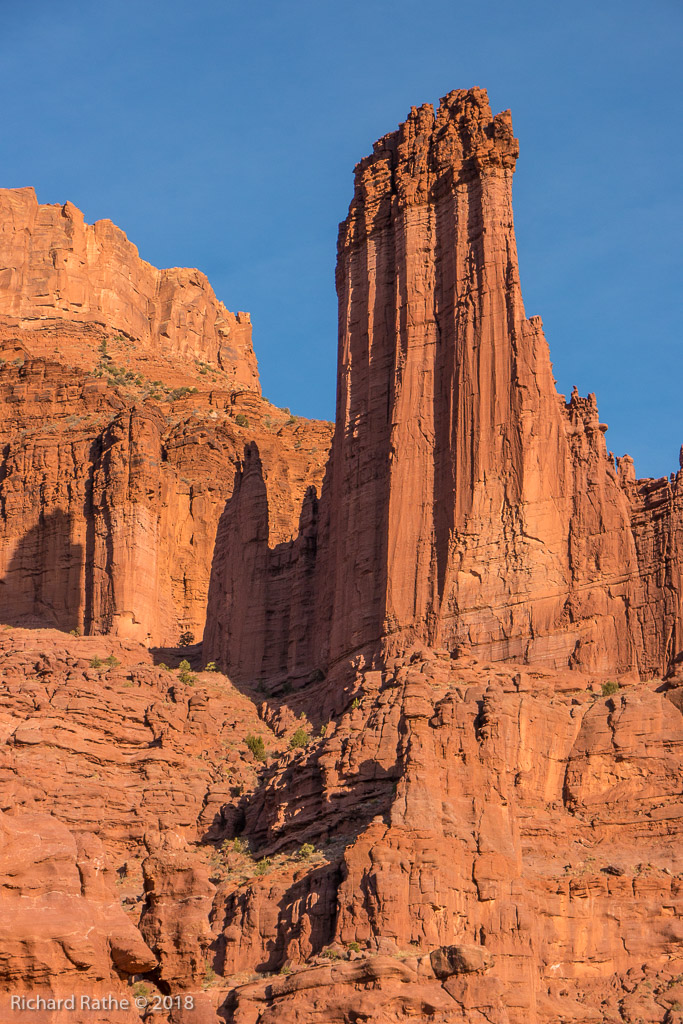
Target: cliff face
[54, 266]
[126, 394]
[467, 505]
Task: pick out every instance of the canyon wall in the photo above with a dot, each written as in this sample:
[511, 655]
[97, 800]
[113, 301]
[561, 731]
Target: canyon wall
[54, 266]
[467, 505]
[126, 396]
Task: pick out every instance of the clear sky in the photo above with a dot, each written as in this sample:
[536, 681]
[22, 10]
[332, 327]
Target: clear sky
[223, 135]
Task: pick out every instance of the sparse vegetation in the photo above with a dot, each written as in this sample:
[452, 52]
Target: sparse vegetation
[186, 638]
[111, 661]
[609, 688]
[141, 991]
[299, 739]
[355, 703]
[306, 851]
[96, 662]
[241, 420]
[262, 867]
[354, 946]
[211, 667]
[236, 846]
[181, 393]
[209, 976]
[331, 954]
[257, 746]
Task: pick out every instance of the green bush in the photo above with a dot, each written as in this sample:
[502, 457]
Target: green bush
[299, 739]
[262, 867]
[241, 420]
[111, 661]
[609, 688]
[306, 851]
[184, 673]
[186, 638]
[96, 662]
[211, 667]
[355, 704]
[257, 746]
[353, 946]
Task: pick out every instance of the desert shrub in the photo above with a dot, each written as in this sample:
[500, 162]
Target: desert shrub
[353, 946]
[355, 703]
[262, 867]
[237, 845]
[211, 667]
[299, 739]
[609, 688]
[96, 662]
[331, 954]
[186, 638]
[184, 673]
[241, 420]
[111, 661]
[257, 746]
[209, 976]
[306, 851]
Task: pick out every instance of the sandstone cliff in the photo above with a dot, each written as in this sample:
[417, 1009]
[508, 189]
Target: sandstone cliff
[54, 266]
[126, 396]
[466, 505]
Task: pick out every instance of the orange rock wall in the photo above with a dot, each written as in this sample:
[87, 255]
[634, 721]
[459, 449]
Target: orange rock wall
[109, 506]
[55, 266]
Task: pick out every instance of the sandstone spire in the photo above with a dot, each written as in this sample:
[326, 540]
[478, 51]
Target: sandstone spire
[466, 504]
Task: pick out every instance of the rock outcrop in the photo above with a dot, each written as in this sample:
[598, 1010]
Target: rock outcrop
[442, 840]
[55, 267]
[114, 473]
[466, 504]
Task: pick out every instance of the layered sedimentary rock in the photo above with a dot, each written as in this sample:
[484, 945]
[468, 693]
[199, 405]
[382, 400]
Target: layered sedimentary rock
[466, 504]
[54, 266]
[450, 842]
[111, 488]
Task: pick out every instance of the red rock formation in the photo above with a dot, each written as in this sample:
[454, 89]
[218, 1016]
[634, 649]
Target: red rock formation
[63, 931]
[55, 267]
[466, 504]
[111, 491]
[419, 835]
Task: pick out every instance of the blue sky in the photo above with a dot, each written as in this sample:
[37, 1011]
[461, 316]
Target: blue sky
[223, 135]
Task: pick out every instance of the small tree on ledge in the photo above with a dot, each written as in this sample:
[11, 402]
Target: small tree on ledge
[186, 638]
